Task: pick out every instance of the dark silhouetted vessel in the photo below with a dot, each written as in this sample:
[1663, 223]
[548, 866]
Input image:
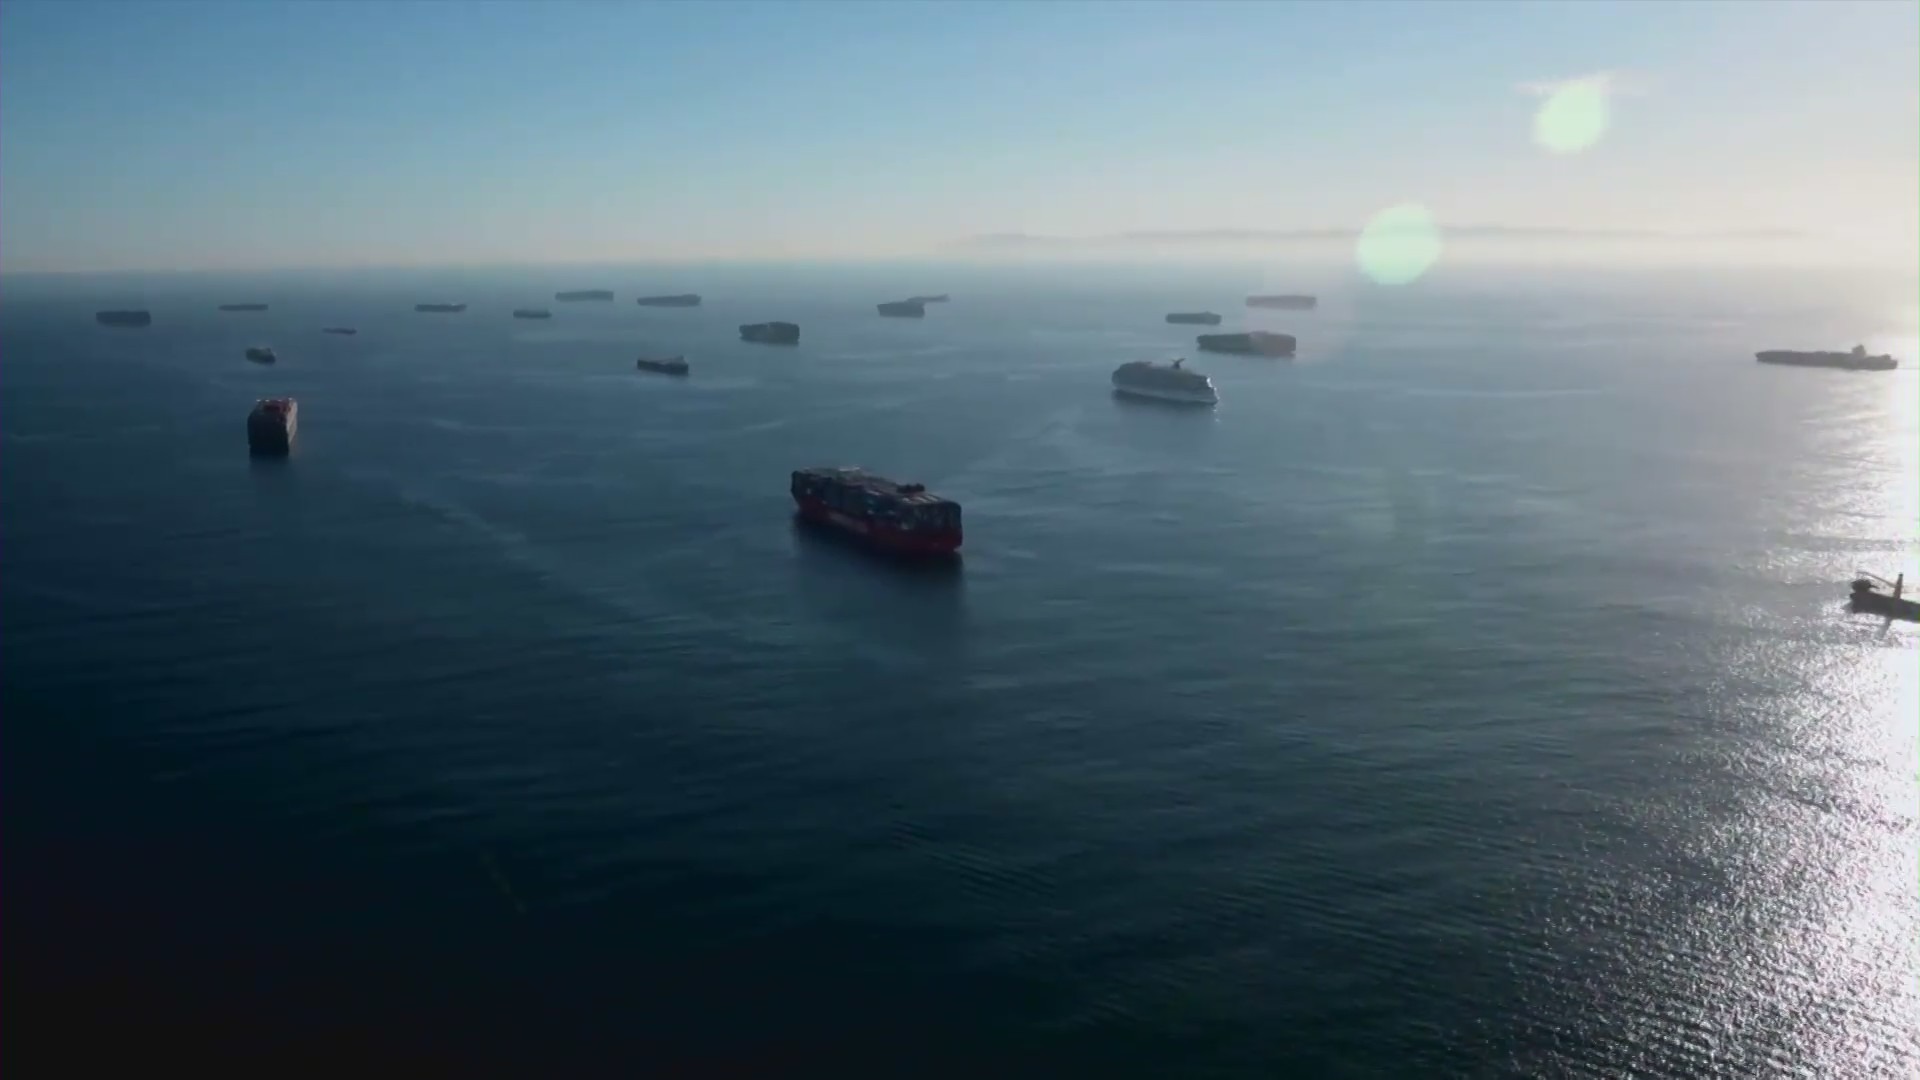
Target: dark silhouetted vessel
[441, 309]
[1286, 301]
[585, 294]
[1857, 360]
[897, 518]
[271, 426]
[1164, 382]
[1867, 599]
[771, 333]
[123, 318]
[260, 354]
[1253, 343]
[677, 300]
[343, 330]
[665, 365]
[904, 309]
[1200, 318]
[243, 307]
[532, 313]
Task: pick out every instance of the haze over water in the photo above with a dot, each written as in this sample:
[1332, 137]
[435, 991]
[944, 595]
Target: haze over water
[1471, 696]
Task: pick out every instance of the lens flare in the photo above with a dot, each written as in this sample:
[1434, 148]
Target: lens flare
[1572, 118]
[1398, 245]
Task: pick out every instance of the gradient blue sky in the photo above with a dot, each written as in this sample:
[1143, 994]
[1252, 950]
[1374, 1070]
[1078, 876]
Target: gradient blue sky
[159, 135]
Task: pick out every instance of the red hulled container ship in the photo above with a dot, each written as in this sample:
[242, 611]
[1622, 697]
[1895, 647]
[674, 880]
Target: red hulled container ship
[902, 519]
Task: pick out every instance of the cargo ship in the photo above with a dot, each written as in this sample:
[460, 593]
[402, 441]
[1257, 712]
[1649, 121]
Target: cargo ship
[532, 313]
[1253, 343]
[676, 300]
[243, 307]
[902, 519]
[441, 309]
[260, 354]
[271, 426]
[123, 318]
[1199, 318]
[1164, 382]
[343, 330]
[771, 333]
[666, 365]
[1857, 360]
[904, 309]
[585, 294]
[933, 298]
[1284, 301]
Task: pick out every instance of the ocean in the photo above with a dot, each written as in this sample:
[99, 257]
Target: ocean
[1471, 696]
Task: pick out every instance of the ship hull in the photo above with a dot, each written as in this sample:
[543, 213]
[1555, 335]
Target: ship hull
[1885, 606]
[877, 536]
[1283, 303]
[770, 333]
[1194, 319]
[1171, 396]
[265, 438]
[1842, 361]
[1282, 345]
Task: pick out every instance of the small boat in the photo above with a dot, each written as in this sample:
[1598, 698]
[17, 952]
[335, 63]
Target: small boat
[1252, 343]
[585, 294]
[1284, 301]
[243, 307]
[666, 365]
[1164, 382]
[440, 309]
[904, 309]
[1202, 318]
[676, 300]
[1867, 599]
[271, 426]
[339, 330]
[771, 333]
[260, 354]
[897, 518]
[532, 313]
[123, 318]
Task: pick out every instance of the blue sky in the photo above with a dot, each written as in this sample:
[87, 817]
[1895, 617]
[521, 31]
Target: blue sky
[148, 135]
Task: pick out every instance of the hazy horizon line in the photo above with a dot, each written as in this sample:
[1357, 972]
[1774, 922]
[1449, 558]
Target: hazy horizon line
[1471, 232]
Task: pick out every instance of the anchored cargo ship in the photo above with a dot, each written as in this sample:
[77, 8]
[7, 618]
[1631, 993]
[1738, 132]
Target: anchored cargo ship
[666, 365]
[1256, 343]
[271, 426]
[1856, 360]
[898, 518]
[1164, 382]
[771, 333]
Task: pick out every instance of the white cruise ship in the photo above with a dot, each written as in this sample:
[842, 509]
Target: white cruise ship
[1164, 382]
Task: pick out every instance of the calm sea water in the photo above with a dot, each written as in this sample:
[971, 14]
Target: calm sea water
[1469, 697]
